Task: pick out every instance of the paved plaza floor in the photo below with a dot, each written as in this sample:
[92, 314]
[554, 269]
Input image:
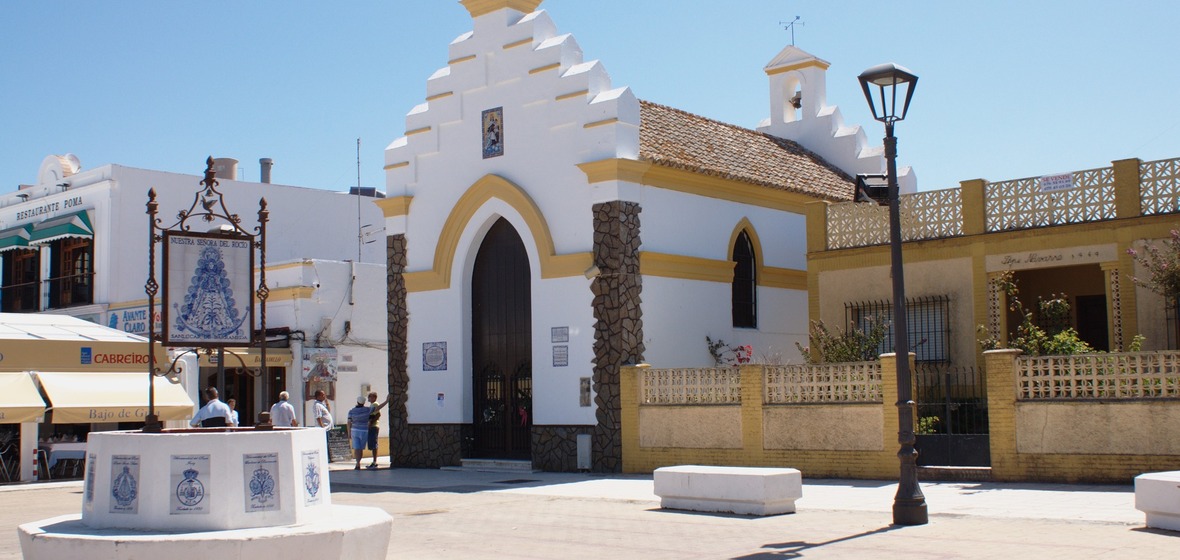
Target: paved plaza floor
[444, 514]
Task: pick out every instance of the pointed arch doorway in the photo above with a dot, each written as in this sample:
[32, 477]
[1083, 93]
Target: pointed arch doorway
[501, 346]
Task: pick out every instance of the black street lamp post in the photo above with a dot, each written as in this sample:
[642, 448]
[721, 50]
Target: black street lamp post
[881, 84]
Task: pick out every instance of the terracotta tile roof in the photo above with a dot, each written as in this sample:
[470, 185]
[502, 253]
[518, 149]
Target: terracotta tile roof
[682, 140]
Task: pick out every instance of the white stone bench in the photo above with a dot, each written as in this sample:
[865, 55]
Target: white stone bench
[1158, 495]
[741, 490]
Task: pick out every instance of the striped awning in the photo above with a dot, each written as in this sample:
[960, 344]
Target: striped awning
[15, 238]
[73, 225]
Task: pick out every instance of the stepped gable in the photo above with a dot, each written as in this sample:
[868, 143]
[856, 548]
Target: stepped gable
[675, 138]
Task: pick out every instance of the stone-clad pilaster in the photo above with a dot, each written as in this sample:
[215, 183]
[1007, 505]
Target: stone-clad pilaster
[397, 323]
[618, 321]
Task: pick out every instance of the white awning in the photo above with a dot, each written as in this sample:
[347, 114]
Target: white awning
[19, 399]
[81, 398]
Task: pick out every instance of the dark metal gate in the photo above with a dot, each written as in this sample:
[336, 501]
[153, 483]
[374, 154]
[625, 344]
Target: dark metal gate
[501, 347]
[952, 425]
[503, 405]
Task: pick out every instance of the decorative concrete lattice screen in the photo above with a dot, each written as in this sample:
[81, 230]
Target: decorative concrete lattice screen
[924, 215]
[1020, 204]
[692, 386]
[1131, 375]
[850, 382]
[1158, 182]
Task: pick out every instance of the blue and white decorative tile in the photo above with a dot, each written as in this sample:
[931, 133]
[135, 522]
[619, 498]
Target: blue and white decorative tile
[125, 484]
[313, 490]
[190, 478]
[261, 472]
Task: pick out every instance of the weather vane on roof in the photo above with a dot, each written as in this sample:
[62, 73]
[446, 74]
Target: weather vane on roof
[790, 26]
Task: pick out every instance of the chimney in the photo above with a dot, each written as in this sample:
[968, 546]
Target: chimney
[225, 168]
[266, 164]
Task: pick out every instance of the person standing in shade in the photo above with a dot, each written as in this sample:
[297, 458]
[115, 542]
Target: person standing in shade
[215, 414]
[374, 424]
[233, 410]
[282, 413]
[323, 417]
[358, 428]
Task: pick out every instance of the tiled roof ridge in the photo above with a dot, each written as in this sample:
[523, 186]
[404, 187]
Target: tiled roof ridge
[654, 154]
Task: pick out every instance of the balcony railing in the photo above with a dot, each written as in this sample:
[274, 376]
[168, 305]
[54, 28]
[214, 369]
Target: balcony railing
[1088, 196]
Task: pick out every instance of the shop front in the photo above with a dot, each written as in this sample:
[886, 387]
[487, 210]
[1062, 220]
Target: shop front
[62, 378]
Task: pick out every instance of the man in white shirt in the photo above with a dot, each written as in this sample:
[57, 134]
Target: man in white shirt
[214, 414]
[321, 414]
[282, 413]
[233, 410]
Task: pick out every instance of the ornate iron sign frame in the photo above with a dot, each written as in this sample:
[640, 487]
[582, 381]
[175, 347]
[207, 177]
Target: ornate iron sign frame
[208, 205]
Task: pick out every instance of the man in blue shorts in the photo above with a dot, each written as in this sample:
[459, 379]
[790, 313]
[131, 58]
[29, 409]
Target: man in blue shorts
[358, 428]
[374, 426]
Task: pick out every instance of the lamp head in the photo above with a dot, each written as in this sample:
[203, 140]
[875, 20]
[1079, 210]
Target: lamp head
[881, 84]
[872, 187]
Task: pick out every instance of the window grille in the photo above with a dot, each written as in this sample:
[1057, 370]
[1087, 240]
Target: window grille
[927, 323]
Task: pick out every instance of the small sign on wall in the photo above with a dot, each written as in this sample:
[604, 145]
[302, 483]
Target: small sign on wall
[561, 356]
[434, 356]
[584, 391]
[559, 334]
[1054, 183]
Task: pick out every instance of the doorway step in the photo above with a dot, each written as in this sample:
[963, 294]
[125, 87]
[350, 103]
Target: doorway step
[494, 465]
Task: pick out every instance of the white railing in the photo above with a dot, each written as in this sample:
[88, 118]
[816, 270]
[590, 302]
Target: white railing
[1020, 204]
[1008, 205]
[851, 382]
[924, 215]
[691, 386]
[1130, 375]
[1157, 186]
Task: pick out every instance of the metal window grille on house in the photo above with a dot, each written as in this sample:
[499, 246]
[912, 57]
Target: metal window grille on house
[927, 322]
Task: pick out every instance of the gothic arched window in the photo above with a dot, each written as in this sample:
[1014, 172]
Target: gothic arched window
[745, 283]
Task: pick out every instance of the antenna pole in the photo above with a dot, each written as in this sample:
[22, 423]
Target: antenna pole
[359, 234]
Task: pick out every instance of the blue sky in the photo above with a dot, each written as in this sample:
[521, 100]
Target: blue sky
[1008, 89]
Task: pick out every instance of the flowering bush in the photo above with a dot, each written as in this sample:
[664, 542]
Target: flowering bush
[724, 354]
[1162, 265]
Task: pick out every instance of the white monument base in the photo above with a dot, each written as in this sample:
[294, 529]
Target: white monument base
[352, 532]
[223, 493]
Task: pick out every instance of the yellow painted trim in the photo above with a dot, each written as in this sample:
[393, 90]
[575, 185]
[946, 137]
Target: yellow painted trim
[481, 7]
[545, 68]
[572, 95]
[485, 189]
[512, 45]
[603, 122]
[680, 180]
[799, 66]
[130, 304]
[783, 278]
[290, 293]
[396, 165]
[418, 131]
[438, 96]
[287, 266]
[394, 206]
[630, 170]
[685, 268]
[461, 59]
